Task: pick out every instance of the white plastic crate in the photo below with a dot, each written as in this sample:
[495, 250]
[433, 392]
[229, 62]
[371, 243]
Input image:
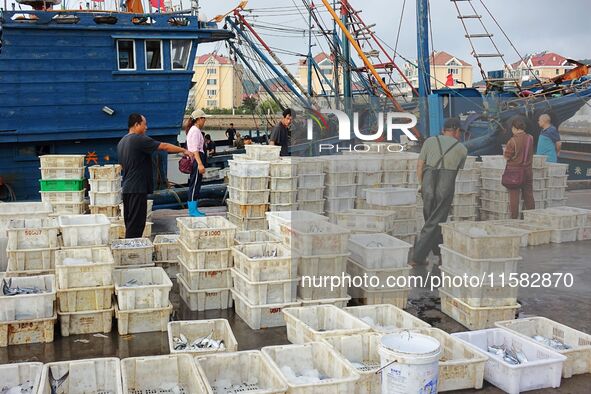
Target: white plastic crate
[475, 318]
[26, 374]
[458, 262]
[260, 316]
[369, 163]
[312, 323]
[219, 329]
[312, 206]
[335, 204]
[61, 161]
[481, 240]
[556, 193]
[467, 186]
[98, 375]
[311, 180]
[308, 289]
[283, 197]
[340, 163]
[22, 210]
[86, 322]
[108, 171]
[579, 353]
[361, 190]
[366, 220]
[142, 320]
[254, 237]
[27, 331]
[308, 194]
[69, 209]
[62, 173]
[246, 210]
[558, 181]
[205, 259]
[207, 232]
[27, 260]
[338, 191]
[483, 295]
[396, 297]
[465, 199]
[249, 183]
[262, 152]
[132, 251]
[493, 161]
[378, 250]
[248, 196]
[84, 230]
[75, 197]
[464, 210]
[283, 207]
[371, 179]
[564, 235]
[340, 178]
[85, 299]
[84, 267]
[391, 196]
[283, 168]
[28, 306]
[203, 300]
[537, 234]
[105, 186]
[249, 168]
[552, 218]
[542, 370]
[338, 375]
[389, 276]
[338, 302]
[557, 169]
[275, 219]
[492, 184]
[148, 375]
[267, 292]
[398, 178]
[166, 247]
[386, 318]
[264, 262]
[583, 215]
[284, 183]
[401, 211]
[110, 211]
[322, 265]
[247, 224]
[142, 288]
[309, 165]
[399, 161]
[201, 279]
[584, 233]
[247, 371]
[314, 238]
[469, 174]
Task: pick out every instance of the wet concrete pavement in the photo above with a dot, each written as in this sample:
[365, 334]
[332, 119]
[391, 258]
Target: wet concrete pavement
[570, 306]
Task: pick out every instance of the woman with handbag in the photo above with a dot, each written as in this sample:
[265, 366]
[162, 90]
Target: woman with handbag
[195, 145]
[518, 176]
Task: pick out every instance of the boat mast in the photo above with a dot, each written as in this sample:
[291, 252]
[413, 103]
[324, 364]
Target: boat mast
[423, 65]
[346, 57]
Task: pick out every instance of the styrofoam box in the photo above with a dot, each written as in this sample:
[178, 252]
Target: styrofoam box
[22, 210]
[543, 369]
[142, 320]
[143, 375]
[61, 161]
[25, 374]
[268, 292]
[378, 250]
[472, 317]
[339, 163]
[203, 300]
[309, 194]
[250, 168]
[386, 318]
[396, 297]
[84, 230]
[85, 299]
[27, 331]
[314, 238]
[86, 322]
[99, 375]
[192, 330]
[108, 171]
[150, 289]
[69, 197]
[284, 183]
[254, 237]
[62, 173]
[391, 196]
[340, 178]
[205, 259]
[468, 239]
[245, 367]
[341, 378]
[275, 219]
[28, 306]
[312, 323]
[247, 224]
[283, 168]
[309, 165]
[105, 186]
[166, 247]
[578, 356]
[285, 207]
[96, 272]
[264, 262]
[366, 220]
[312, 206]
[201, 279]
[360, 349]
[311, 180]
[262, 152]
[208, 232]
[260, 316]
[30, 260]
[132, 255]
[248, 196]
[246, 210]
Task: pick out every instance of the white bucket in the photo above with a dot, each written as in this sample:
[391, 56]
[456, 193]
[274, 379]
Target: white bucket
[410, 363]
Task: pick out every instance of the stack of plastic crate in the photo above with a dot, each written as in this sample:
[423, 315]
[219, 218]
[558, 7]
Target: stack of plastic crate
[248, 191]
[284, 185]
[205, 261]
[379, 257]
[557, 178]
[401, 202]
[482, 250]
[369, 175]
[31, 246]
[340, 183]
[565, 222]
[310, 171]
[465, 205]
[62, 183]
[411, 160]
[166, 253]
[84, 270]
[105, 190]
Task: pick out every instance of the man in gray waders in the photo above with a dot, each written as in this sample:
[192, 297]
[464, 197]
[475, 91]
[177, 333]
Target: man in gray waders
[439, 161]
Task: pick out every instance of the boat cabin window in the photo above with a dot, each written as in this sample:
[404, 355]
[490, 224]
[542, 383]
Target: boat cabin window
[179, 54]
[126, 54]
[153, 54]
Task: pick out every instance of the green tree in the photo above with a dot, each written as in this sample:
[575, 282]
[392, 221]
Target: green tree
[267, 105]
[249, 103]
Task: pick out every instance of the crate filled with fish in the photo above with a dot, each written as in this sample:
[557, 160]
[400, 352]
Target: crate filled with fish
[98, 375]
[20, 378]
[515, 363]
[209, 232]
[166, 247]
[132, 252]
[27, 298]
[142, 288]
[201, 336]
[205, 299]
[264, 262]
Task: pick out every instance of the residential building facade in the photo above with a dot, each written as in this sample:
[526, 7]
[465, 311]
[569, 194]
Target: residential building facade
[217, 82]
[445, 70]
[543, 65]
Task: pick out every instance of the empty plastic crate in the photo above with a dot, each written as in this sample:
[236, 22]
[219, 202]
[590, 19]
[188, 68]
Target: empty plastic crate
[142, 288]
[471, 174]
[314, 238]
[493, 161]
[22, 210]
[394, 278]
[481, 240]
[205, 259]
[391, 196]
[219, 329]
[552, 218]
[339, 191]
[108, 171]
[366, 220]
[557, 169]
[275, 219]
[248, 196]
[378, 250]
[284, 183]
[312, 323]
[314, 288]
[312, 206]
[309, 194]
[27, 331]
[27, 260]
[311, 180]
[204, 279]
[247, 371]
[86, 322]
[73, 197]
[579, 353]
[340, 163]
[61, 161]
[142, 320]
[260, 316]
[207, 232]
[324, 265]
[69, 208]
[166, 247]
[386, 318]
[84, 230]
[283, 168]
[255, 236]
[62, 173]
[85, 299]
[249, 168]
[247, 224]
[395, 177]
[249, 183]
[467, 186]
[309, 165]
[338, 375]
[98, 375]
[542, 370]
[132, 252]
[558, 181]
[85, 267]
[396, 297]
[247, 210]
[262, 152]
[203, 300]
[110, 211]
[283, 197]
[370, 179]
[536, 234]
[264, 262]
[61, 185]
[338, 302]
[26, 374]
[283, 207]
[267, 292]
[340, 178]
[105, 186]
[556, 193]
[28, 306]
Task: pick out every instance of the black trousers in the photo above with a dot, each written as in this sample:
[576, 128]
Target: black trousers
[135, 206]
[195, 179]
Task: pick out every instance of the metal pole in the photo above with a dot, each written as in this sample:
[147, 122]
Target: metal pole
[346, 56]
[424, 68]
[336, 72]
[310, 58]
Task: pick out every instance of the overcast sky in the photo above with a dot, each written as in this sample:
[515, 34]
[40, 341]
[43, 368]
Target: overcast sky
[532, 26]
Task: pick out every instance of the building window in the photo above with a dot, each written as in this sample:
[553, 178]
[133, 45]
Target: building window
[212, 103]
[179, 53]
[126, 54]
[538, 72]
[212, 92]
[212, 81]
[453, 71]
[326, 71]
[153, 55]
[212, 71]
[557, 71]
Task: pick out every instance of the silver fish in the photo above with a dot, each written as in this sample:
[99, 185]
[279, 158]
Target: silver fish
[8, 290]
[521, 357]
[23, 388]
[551, 342]
[496, 350]
[56, 383]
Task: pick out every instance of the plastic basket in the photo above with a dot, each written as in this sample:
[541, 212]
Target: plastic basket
[203, 300]
[340, 178]
[85, 299]
[142, 288]
[32, 233]
[138, 321]
[264, 262]
[340, 163]
[207, 232]
[84, 267]
[391, 196]
[312, 206]
[283, 197]
[386, 318]
[61, 161]
[105, 185]
[254, 237]
[28, 306]
[61, 185]
[248, 196]
[199, 279]
[262, 152]
[22, 210]
[248, 224]
[457, 262]
[481, 240]
[338, 204]
[338, 302]
[249, 168]
[339, 191]
[267, 292]
[467, 186]
[166, 247]
[86, 322]
[73, 197]
[74, 173]
[550, 217]
[84, 230]
[324, 265]
[378, 250]
[275, 219]
[309, 194]
[314, 238]
[260, 316]
[28, 261]
[98, 375]
[219, 329]
[284, 183]
[309, 165]
[395, 177]
[246, 210]
[26, 374]
[110, 211]
[132, 251]
[311, 180]
[108, 171]
[249, 183]
[205, 259]
[283, 207]
[108, 198]
[27, 331]
[366, 220]
[283, 168]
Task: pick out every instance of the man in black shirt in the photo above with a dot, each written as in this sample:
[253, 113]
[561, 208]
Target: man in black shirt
[209, 146]
[230, 133]
[280, 133]
[134, 153]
